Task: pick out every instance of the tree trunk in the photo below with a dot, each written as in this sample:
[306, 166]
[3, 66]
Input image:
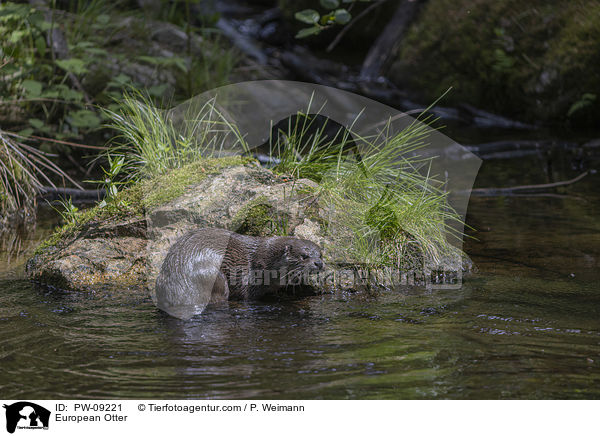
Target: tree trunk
[383, 48]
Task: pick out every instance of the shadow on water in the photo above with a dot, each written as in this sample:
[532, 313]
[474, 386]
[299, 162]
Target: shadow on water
[524, 326]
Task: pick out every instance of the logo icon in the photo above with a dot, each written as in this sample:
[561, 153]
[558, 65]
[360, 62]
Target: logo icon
[26, 415]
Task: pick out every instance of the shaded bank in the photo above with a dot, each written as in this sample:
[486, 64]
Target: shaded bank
[534, 61]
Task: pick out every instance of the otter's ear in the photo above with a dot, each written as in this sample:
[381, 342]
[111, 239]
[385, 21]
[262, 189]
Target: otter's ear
[287, 249]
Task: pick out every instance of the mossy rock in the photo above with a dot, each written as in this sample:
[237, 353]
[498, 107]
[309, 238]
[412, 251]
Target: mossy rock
[122, 245]
[134, 201]
[256, 218]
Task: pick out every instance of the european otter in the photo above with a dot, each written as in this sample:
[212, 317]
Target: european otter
[211, 265]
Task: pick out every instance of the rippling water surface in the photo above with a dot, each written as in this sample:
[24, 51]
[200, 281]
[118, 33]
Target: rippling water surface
[526, 325]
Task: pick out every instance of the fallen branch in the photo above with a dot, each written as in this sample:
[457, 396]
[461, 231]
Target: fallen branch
[52, 193]
[517, 189]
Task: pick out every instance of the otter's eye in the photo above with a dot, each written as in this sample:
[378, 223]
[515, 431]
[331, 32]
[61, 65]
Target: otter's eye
[305, 256]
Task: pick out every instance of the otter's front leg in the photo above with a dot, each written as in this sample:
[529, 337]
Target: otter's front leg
[220, 290]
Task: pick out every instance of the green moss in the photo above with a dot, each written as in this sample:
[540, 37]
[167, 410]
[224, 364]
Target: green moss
[255, 218]
[162, 189]
[137, 198]
[51, 241]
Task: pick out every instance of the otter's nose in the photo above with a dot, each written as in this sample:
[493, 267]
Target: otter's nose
[319, 264]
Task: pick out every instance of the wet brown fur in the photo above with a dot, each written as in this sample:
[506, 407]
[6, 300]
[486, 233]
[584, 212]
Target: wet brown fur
[222, 262]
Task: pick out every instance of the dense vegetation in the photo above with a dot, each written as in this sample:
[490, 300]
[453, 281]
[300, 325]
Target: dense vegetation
[63, 67]
[535, 61]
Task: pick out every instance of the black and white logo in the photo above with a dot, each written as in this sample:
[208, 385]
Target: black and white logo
[26, 415]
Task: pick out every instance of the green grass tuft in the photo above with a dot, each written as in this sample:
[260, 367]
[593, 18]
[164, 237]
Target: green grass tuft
[153, 141]
[384, 207]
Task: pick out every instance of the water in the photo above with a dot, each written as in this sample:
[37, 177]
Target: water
[526, 325]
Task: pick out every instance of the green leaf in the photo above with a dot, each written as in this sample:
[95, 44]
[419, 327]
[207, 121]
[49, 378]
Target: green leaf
[103, 19]
[16, 36]
[585, 101]
[308, 32]
[327, 19]
[11, 11]
[73, 65]
[150, 59]
[40, 45]
[309, 16]
[122, 78]
[84, 119]
[38, 21]
[61, 88]
[71, 95]
[119, 81]
[180, 63]
[44, 26]
[36, 123]
[342, 16]
[330, 4]
[81, 45]
[50, 93]
[97, 51]
[157, 90]
[25, 132]
[32, 87]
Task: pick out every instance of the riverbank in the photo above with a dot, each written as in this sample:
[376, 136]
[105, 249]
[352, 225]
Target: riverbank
[530, 61]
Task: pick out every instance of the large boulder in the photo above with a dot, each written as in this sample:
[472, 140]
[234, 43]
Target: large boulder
[122, 250]
[126, 253]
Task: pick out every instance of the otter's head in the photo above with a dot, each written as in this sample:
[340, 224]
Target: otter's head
[303, 255]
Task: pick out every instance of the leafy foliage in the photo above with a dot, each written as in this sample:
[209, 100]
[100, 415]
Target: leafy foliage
[58, 66]
[37, 80]
[586, 100]
[334, 15]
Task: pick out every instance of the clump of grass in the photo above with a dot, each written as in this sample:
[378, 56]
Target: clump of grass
[384, 207]
[23, 170]
[304, 149]
[153, 141]
[67, 210]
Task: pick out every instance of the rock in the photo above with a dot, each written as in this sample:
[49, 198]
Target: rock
[127, 254]
[245, 199]
[99, 256]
